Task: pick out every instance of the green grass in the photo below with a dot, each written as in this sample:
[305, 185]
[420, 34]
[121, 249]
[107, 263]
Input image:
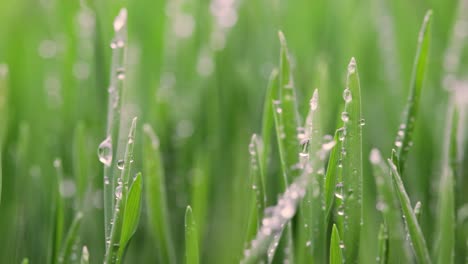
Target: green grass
[264, 134]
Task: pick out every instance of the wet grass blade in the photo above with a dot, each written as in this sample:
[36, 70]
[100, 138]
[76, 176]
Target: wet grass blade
[383, 245]
[70, 239]
[257, 188]
[106, 150]
[191, 238]
[84, 256]
[332, 175]
[445, 239]
[132, 214]
[387, 203]
[403, 140]
[336, 255]
[415, 232]
[289, 123]
[156, 198]
[121, 191]
[352, 164]
[267, 118]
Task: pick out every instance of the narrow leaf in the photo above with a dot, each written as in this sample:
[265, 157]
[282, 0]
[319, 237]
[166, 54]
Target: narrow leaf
[336, 256]
[191, 238]
[70, 240]
[415, 232]
[383, 245]
[403, 139]
[156, 198]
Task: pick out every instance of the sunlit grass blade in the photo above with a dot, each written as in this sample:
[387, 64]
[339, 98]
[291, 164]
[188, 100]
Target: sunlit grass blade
[191, 238]
[383, 245]
[58, 212]
[121, 191]
[387, 203]
[445, 239]
[107, 147]
[132, 213]
[156, 198]
[336, 255]
[84, 255]
[351, 155]
[267, 118]
[415, 232]
[70, 239]
[80, 162]
[403, 139]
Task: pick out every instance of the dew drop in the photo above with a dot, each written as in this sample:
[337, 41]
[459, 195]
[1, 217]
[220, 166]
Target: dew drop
[375, 156]
[120, 20]
[120, 164]
[362, 122]
[105, 151]
[341, 133]
[118, 192]
[308, 243]
[120, 73]
[345, 116]
[288, 211]
[347, 95]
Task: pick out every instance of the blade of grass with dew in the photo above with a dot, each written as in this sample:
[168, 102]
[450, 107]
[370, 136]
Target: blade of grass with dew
[71, 238]
[289, 116]
[286, 122]
[80, 162]
[256, 188]
[121, 191]
[312, 231]
[403, 139]
[267, 119]
[415, 232]
[84, 255]
[277, 217]
[332, 174]
[387, 203]
[58, 212]
[191, 238]
[445, 228]
[106, 148]
[336, 255]
[132, 213]
[383, 245]
[156, 198]
[352, 164]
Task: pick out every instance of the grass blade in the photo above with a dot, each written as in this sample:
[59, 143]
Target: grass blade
[191, 238]
[352, 164]
[332, 175]
[387, 203]
[59, 213]
[336, 255]
[445, 240]
[403, 140]
[383, 245]
[156, 198]
[70, 240]
[132, 213]
[267, 118]
[106, 147]
[3, 114]
[113, 243]
[84, 256]
[415, 232]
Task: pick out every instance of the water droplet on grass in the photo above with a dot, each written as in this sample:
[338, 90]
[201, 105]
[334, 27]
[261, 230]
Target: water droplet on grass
[345, 116]
[118, 192]
[347, 97]
[120, 164]
[105, 151]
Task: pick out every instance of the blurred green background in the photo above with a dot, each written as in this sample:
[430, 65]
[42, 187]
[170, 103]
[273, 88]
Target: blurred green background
[197, 72]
